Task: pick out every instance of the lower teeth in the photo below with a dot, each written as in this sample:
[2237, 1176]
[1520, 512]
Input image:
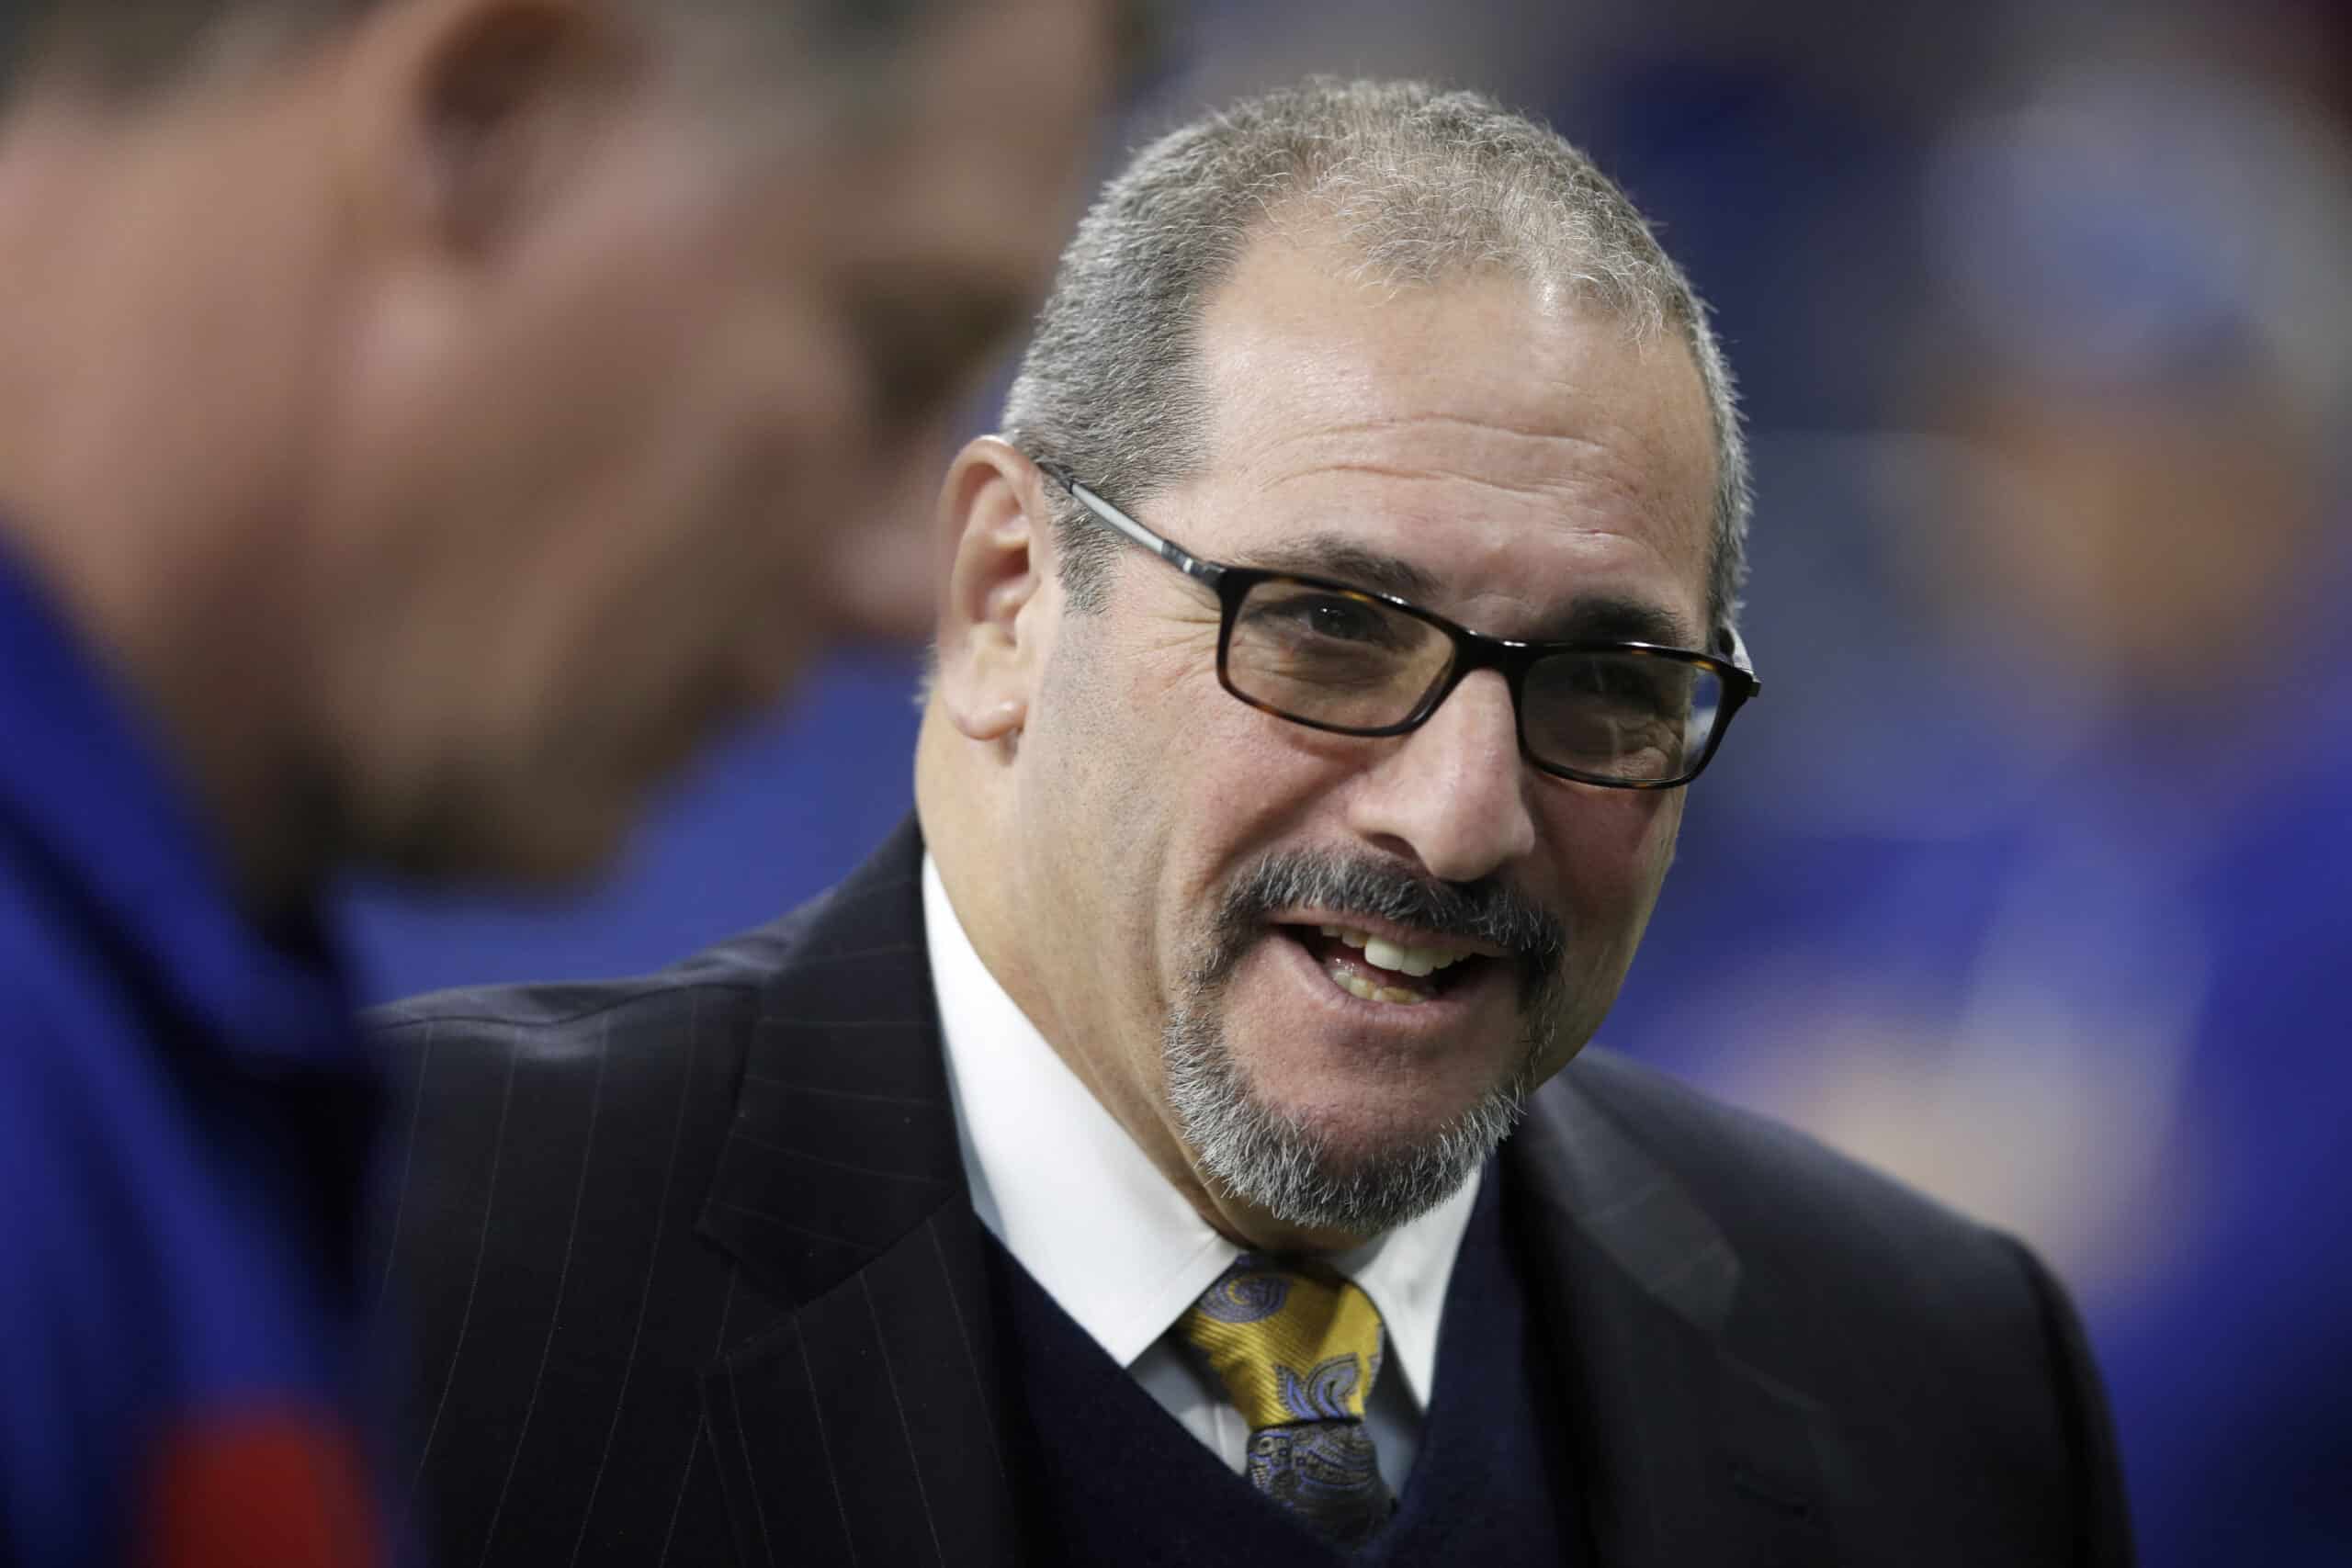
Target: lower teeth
[1356, 985]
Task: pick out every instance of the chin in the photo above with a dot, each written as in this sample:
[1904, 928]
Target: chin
[1357, 1158]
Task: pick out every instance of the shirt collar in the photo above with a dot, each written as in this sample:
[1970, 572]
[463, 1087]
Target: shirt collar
[1057, 1181]
[109, 826]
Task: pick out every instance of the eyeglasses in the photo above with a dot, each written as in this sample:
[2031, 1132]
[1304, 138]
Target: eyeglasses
[1342, 658]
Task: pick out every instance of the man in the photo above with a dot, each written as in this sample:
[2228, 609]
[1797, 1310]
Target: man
[420, 421]
[1114, 1169]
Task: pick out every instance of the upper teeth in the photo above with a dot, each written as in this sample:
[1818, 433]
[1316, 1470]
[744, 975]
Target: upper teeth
[1382, 953]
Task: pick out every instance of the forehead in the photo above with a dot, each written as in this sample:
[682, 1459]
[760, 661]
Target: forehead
[1513, 444]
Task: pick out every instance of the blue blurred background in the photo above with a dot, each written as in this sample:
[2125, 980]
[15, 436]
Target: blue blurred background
[2029, 878]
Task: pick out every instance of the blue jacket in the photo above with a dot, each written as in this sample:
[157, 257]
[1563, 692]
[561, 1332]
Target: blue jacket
[185, 1120]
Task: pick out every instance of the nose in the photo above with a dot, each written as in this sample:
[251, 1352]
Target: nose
[1453, 794]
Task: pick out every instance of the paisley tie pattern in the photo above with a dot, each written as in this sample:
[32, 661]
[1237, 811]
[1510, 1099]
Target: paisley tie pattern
[1297, 1353]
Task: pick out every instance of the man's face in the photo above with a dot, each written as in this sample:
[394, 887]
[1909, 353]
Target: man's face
[1220, 869]
[608, 491]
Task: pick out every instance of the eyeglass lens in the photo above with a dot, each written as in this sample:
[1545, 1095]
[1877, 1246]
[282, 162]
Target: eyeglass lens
[1354, 663]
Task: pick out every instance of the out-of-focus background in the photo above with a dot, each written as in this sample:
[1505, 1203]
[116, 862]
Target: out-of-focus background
[2030, 878]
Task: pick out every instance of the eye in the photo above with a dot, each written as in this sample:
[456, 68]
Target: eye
[1635, 686]
[1332, 618]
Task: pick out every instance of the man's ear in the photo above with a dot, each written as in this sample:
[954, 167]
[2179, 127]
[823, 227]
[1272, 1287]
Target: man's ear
[996, 544]
[461, 117]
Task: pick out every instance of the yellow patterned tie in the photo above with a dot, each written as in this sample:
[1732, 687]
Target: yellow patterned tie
[1297, 1353]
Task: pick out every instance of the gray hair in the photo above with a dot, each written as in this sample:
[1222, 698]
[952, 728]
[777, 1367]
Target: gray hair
[1422, 184]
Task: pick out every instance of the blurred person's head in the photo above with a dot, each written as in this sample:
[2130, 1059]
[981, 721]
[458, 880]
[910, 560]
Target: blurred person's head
[449, 411]
[2152, 353]
[1408, 344]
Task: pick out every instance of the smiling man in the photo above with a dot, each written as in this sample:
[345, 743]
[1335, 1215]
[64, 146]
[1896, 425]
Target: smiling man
[1174, 1147]
[1355, 942]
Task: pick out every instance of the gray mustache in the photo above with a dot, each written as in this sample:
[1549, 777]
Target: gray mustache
[1487, 911]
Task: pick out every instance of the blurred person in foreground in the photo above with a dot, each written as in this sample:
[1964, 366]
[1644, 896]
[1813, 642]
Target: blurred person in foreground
[1121, 1165]
[420, 423]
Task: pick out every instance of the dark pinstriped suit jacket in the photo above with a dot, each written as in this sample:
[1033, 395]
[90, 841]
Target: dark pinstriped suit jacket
[695, 1278]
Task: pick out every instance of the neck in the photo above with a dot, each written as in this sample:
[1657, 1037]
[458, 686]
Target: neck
[123, 366]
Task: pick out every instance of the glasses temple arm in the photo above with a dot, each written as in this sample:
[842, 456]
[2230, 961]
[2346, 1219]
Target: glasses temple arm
[1168, 550]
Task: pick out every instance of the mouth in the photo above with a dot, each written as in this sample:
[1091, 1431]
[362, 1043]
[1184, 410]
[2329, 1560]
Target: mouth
[1390, 966]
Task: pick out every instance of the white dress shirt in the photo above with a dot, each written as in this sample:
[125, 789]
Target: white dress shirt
[1057, 1181]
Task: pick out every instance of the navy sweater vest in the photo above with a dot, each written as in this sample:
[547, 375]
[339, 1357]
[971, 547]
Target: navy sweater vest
[1106, 1477]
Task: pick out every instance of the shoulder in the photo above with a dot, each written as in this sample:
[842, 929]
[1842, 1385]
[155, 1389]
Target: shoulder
[555, 1146]
[1838, 1276]
[478, 1037]
[739, 966]
[1850, 1283]
[510, 1102]
[1939, 1346]
[1758, 1175]
[1821, 1238]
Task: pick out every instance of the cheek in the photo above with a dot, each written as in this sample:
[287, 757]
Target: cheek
[1248, 784]
[1139, 761]
[725, 388]
[1116, 766]
[735, 494]
[1137, 695]
[1613, 848]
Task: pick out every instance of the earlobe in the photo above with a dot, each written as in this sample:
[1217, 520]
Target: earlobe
[995, 569]
[998, 721]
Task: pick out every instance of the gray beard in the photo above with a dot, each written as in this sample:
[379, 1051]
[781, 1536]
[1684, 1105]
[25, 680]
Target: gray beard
[1278, 1165]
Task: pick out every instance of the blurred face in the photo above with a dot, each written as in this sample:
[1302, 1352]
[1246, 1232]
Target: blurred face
[2105, 525]
[600, 481]
[1325, 967]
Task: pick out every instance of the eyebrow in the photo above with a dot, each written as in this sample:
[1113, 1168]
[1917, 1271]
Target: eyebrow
[1337, 556]
[1600, 617]
[1610, 617]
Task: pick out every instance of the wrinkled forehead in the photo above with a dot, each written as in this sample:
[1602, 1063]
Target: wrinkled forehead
[1486, 427]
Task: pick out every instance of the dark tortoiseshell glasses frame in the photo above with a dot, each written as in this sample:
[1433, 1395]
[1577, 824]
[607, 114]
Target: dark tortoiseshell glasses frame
[1471, 651]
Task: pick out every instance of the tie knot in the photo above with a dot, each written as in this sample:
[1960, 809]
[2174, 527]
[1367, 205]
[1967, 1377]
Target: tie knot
[1290, 1344]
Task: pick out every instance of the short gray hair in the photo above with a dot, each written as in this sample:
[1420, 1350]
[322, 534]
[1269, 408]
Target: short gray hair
[1423, 184]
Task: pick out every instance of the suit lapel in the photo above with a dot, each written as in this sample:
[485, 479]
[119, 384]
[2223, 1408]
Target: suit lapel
[1686, 1454]
[866, 1426]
